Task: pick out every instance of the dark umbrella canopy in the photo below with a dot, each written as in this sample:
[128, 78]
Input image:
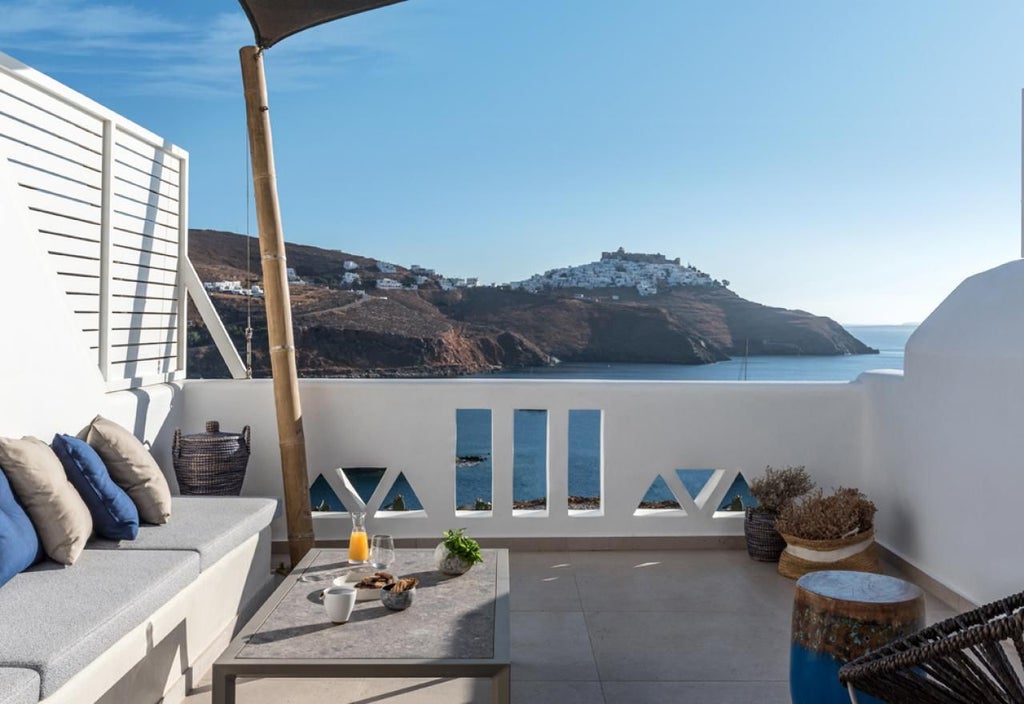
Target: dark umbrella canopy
[273, 20]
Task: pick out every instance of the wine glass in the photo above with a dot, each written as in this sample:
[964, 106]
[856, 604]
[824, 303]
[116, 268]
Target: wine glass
[382, 552]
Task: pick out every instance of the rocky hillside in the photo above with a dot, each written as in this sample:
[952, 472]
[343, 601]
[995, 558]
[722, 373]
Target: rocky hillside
[441, 330]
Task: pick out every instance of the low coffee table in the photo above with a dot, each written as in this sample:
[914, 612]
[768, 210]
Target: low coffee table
[456, 627]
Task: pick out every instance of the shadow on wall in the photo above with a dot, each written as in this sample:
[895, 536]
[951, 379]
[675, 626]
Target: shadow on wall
[152, 414]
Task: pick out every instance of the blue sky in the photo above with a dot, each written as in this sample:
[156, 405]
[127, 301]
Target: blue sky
[856, 160]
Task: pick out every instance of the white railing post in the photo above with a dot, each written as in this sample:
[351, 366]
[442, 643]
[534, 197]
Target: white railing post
[182, 261]
[502, 458]
[558, 462]
[106, 236]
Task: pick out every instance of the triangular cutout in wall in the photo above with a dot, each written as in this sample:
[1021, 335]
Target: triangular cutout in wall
[659, 496]
[738, 488]
[401, 496]
[322, 496]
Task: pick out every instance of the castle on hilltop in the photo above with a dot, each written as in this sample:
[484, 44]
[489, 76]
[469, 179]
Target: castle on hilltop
[621, 255]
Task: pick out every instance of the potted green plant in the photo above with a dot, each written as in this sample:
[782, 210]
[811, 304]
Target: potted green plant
[828, 532]
[456, 553]
[774, 490]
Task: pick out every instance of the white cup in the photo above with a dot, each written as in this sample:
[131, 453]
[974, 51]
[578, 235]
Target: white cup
[339, 602]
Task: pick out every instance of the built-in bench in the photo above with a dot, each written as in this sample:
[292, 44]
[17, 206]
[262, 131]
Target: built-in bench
[132, 621]
[18, 685]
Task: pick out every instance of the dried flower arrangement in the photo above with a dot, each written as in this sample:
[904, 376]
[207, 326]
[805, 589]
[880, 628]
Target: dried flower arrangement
[845, 512]
[774, 490]
[778, 488]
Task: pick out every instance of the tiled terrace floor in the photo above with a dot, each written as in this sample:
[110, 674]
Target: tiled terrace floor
[707, 627]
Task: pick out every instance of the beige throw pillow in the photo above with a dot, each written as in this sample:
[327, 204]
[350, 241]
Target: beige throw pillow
[132, 468]
[58, 513]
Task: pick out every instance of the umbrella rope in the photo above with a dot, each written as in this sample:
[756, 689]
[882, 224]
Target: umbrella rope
[248, 265]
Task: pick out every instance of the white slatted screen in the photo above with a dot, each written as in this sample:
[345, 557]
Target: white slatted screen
[109, 201]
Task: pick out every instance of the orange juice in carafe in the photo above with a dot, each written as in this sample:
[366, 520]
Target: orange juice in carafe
[358, 547]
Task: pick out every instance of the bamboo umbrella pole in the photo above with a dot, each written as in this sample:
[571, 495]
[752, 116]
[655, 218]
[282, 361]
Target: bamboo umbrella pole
[278, 302]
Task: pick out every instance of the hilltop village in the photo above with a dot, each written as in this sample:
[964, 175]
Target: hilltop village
[373, 278]
[621, 269]
[646, 273]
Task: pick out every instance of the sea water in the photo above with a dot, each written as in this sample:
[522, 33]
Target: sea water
[473, 426]
[889, 340]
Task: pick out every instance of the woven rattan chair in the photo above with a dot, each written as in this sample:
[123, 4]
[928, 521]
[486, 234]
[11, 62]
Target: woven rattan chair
[967, 659]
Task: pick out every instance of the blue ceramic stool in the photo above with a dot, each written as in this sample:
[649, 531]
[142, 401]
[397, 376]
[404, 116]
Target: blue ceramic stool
[839, 616]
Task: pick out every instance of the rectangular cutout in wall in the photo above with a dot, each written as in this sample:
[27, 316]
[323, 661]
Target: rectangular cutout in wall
[473, 466]
[530, 460]
[584, 460]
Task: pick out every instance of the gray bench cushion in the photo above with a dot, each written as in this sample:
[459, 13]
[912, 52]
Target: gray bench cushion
[18, 686]
[56, 620]
[211, 525]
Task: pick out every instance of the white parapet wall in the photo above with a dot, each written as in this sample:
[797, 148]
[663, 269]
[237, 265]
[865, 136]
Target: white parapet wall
[648, 429]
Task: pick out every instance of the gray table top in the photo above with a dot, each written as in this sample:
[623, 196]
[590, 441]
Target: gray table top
[450, 618]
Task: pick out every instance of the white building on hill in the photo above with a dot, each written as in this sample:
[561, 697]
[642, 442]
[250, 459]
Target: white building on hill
[223, 286]
[644, 272]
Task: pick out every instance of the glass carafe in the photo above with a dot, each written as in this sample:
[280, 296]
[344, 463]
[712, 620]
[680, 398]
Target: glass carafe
[358, 547]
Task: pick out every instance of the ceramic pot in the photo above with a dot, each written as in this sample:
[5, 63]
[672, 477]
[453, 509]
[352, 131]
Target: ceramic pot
[447, 563]
[397, 601]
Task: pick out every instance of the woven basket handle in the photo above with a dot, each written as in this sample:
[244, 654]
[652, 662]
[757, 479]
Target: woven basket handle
[177, 443]
[245, 438]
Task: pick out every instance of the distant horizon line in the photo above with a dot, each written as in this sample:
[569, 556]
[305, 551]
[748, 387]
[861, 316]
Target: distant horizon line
[880, 325]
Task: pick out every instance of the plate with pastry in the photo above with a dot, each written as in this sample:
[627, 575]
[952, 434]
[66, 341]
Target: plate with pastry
[367, 584]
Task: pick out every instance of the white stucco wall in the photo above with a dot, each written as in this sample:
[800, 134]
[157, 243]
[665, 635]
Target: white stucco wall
[944, 444]
[47, 376]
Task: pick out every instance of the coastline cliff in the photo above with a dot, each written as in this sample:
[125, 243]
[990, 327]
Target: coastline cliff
[356, 316]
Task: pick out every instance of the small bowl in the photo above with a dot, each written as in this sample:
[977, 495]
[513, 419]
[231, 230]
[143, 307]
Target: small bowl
[396, 601]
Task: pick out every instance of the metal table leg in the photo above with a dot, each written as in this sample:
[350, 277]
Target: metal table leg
[223, 686]
[501, 686]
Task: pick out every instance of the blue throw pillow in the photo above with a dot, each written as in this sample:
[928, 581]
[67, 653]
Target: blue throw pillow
[19, 545]
[114, 514]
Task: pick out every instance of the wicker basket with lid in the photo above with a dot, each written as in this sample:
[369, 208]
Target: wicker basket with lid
[211, 463]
